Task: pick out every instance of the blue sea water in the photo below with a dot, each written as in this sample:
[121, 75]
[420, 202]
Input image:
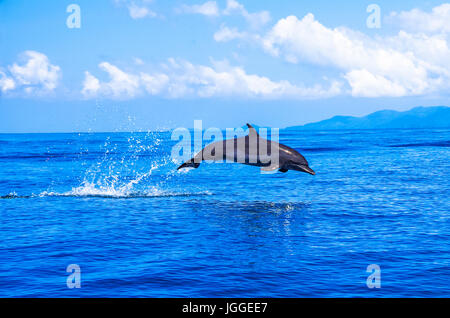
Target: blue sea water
[114, 204]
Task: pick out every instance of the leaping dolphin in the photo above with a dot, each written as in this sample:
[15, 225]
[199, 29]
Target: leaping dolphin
[252, 150]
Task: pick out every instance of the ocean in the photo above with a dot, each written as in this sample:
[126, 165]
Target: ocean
[114, 205]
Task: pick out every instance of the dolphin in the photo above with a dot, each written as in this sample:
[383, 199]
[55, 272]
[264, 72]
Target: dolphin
[252, 150]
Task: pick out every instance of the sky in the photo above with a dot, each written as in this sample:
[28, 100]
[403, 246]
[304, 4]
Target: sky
[138, 65]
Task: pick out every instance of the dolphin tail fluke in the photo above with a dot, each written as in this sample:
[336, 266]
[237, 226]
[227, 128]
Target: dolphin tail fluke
[189, 164]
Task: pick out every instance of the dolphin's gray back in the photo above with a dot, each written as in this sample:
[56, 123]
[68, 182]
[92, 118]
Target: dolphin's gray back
[248, 150]
[253, 151]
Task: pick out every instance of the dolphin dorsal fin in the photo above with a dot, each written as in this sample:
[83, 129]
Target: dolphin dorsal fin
[252, 131]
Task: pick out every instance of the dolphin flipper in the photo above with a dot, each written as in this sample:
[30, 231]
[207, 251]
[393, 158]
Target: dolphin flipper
[189, 164]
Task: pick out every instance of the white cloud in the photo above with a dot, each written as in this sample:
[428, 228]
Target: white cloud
[37, 70]
[35, 75]
[209, 8]
[6, 83]
[138, 61]
[432, 50]
[154, 84]
[137, 9]
[225, 34]
[416, 20]
[412, 62]
[137, 12]
[256, 20]
[179, 78]
[91, 85]
[369, 65]
[224, 80]
[121, 84]
[366, 84]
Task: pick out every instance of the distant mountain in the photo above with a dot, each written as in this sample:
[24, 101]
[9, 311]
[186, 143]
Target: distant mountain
[419, 117]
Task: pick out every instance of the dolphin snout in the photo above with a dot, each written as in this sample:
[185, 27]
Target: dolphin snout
[306, 169]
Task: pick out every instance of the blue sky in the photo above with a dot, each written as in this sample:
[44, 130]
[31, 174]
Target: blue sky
[143, 65]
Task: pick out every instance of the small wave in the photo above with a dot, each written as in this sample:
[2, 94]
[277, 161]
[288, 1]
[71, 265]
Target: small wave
[111, 194]
[11, 195]
[322, 149]
[424, 144]
[123, 196]
[256, 206]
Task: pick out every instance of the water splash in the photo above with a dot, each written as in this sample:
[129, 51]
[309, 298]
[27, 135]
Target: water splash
[11, 195]
[111, 186]
[122, 170]
[124, 166]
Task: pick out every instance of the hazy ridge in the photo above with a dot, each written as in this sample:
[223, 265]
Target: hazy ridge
[418, 117]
